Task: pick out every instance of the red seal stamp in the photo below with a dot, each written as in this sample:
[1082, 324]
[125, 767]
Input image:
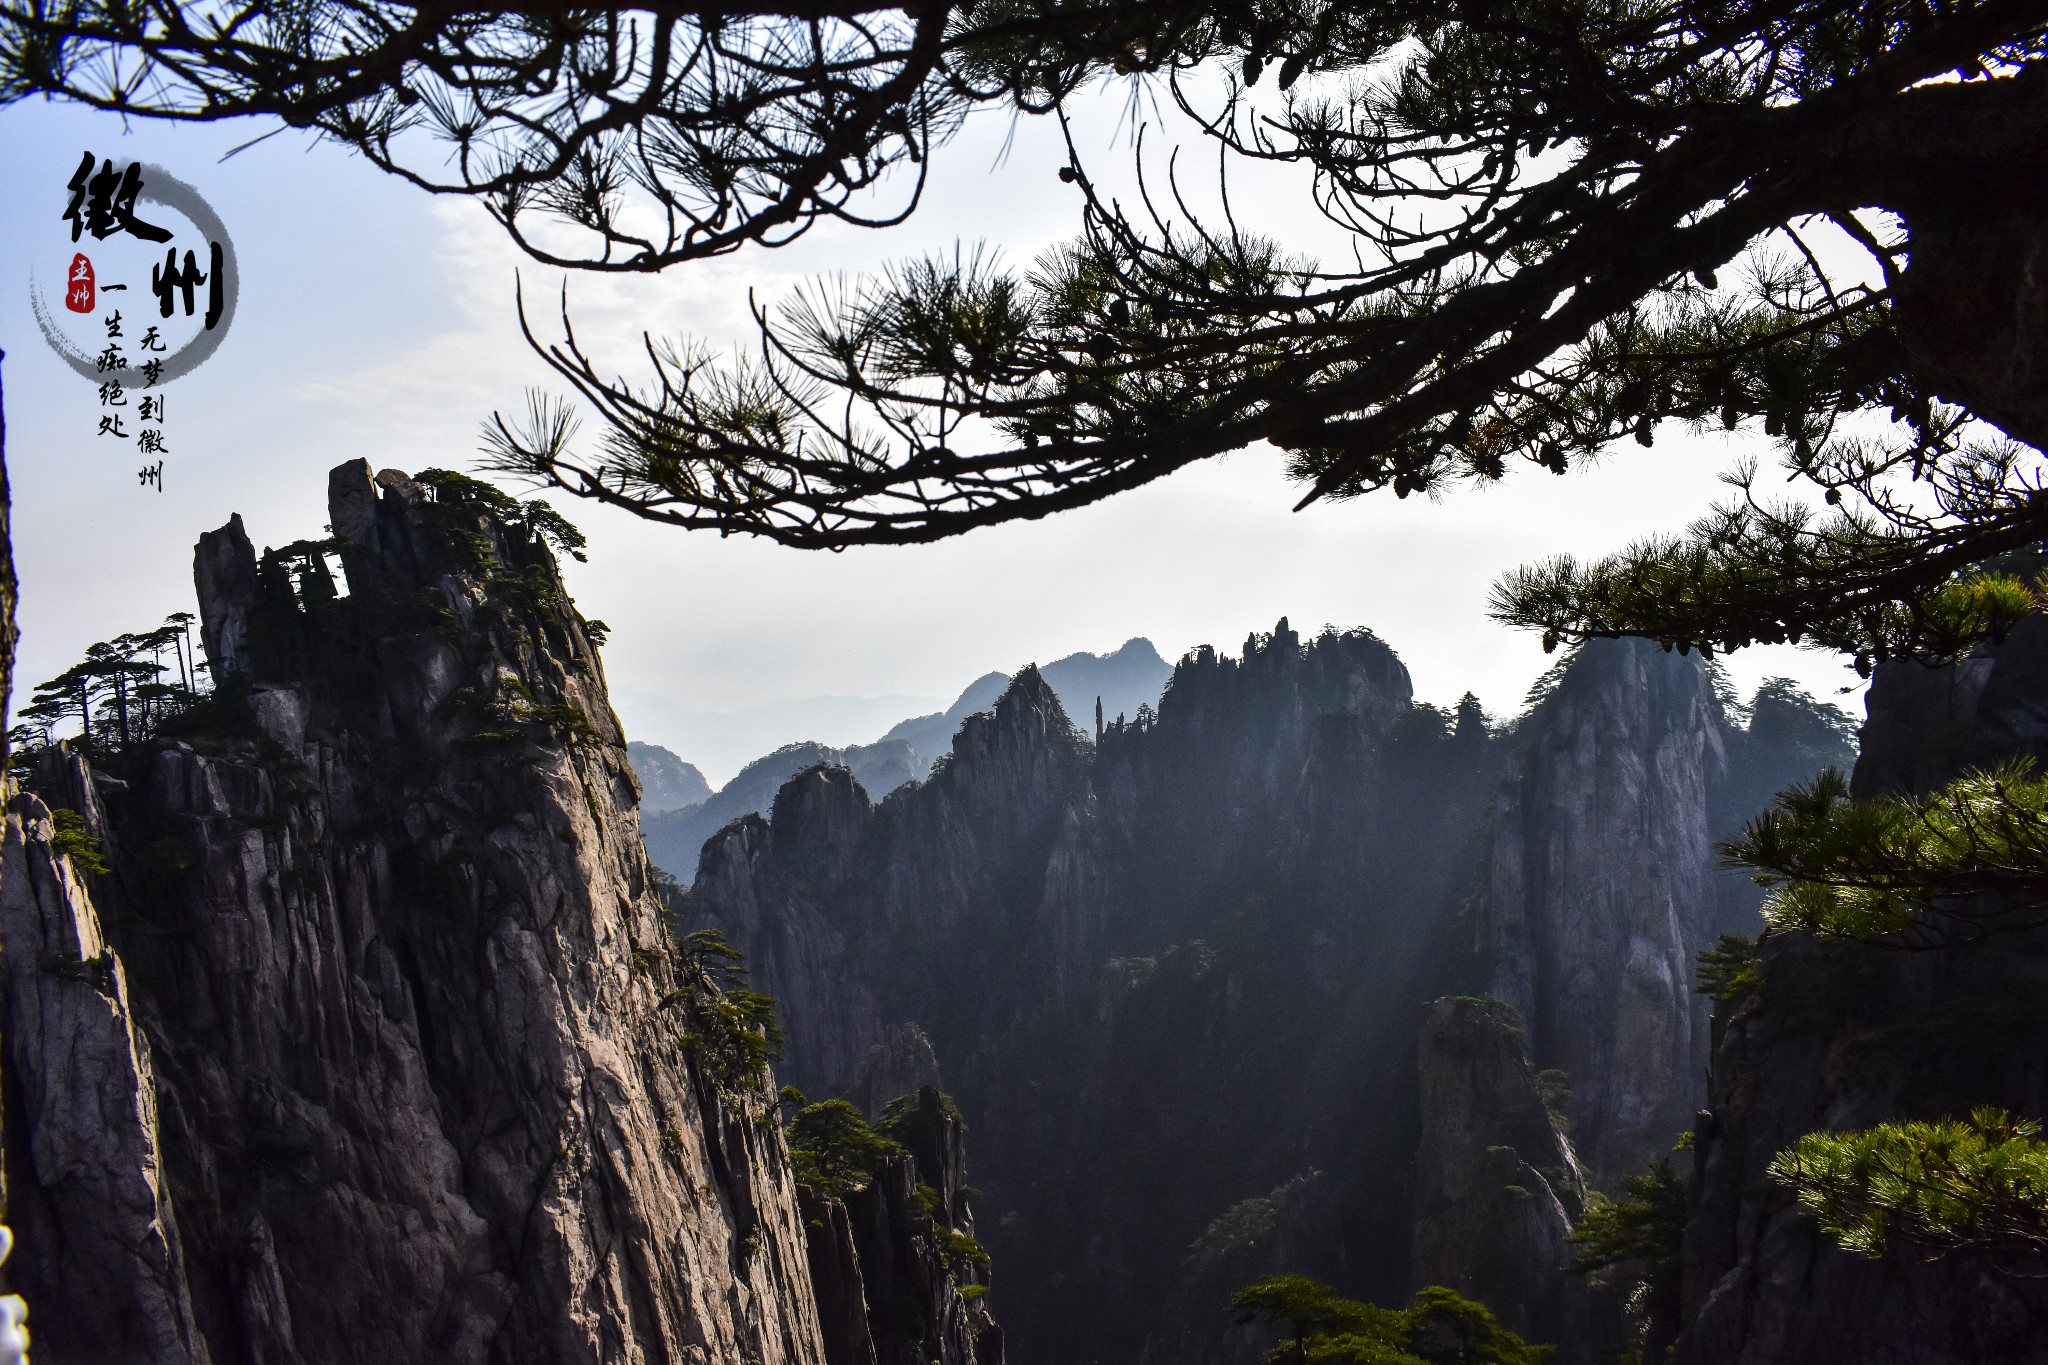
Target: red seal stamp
[79, 290]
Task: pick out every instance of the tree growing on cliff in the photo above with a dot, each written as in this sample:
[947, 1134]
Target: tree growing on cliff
[832, 1147]
[1977, 1185]
[733, 1032]
[1574, 222]
[116, 694]
[1637, 1244]
[1912, 872]
[1441, 1327]
[1927, 873]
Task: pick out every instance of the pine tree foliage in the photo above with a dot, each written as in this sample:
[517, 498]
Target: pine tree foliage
[1441, 1327]
[1896, 568]
[1916, 872]
[1572, 223]
[1977, 1185]
[1639, 1236]
[1731, 969]
[613, 137]
[1636, 1245]
[119, 695]
[74, 840]
[833, 1148]
[533, 516]
[1932, 872]
[609, 138]
[733, 1030]
[836, 1153]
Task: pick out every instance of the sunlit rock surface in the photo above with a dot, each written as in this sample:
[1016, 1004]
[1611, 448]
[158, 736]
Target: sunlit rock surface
[389, 979]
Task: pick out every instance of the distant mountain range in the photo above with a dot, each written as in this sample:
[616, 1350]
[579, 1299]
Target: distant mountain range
[666, 782]
[1179, 980]
[1122, 682]
[679, 811]
[720, 743]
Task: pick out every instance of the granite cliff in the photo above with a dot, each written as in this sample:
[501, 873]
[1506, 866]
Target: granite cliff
[1498, 1186]
[369, 1042]
[1600, 887]
[346, 1019]
[1824, 1036]
[675, 835]
[666, 782]
[1119, 683]
[899, 1275]
[1211, 934]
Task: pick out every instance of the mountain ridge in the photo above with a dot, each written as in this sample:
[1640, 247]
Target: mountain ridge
[1127, 679]
[1235, 906]
[346, 1021]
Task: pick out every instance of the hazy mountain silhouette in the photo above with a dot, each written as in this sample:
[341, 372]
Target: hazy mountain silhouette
[666, 782]
[1131, 677]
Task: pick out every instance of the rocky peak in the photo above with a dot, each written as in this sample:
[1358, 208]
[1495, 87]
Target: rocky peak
[929, 1124]
[667, 783]
[1018, 757]
[1600, 892]
[676, 836]
[1831, 1036]
[1497, 1185]
[224, 574]
[900, 1277]
[819, 819]
[1211, 935]
[429, 1078]
[1339, 671]
[1925, 724]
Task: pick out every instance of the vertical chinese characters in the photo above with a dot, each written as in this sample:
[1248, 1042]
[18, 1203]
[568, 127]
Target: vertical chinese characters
[113, 364]
[103, 202]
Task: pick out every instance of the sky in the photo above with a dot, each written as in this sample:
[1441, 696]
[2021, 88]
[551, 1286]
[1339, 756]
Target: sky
[376, 321]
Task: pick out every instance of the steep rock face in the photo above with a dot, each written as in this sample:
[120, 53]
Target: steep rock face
[1842, 1038]
[903, 1063]
[1497, 1185]
[754, 887]
[902, 1248]
[1175, 976]
[1117, 684]
[1600, 892]
[841, 905]
[85, 1190]
[425, 1085]
[1198, 921]
[1924, 725]
[676, 838]
[1833, 1037]
[666, 782]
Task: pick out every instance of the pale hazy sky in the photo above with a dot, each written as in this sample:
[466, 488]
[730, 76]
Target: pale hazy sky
[375, 321]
